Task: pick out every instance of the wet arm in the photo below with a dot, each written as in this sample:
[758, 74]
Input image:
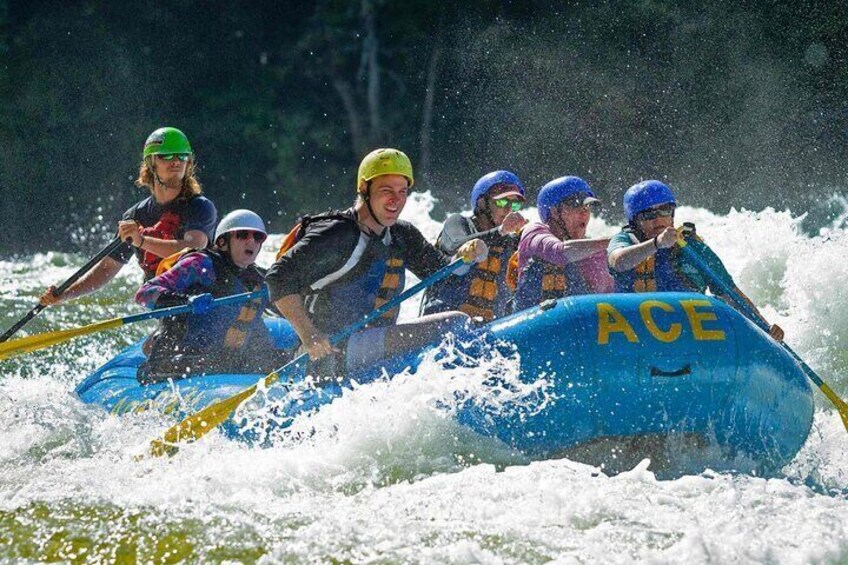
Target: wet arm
[626, 258]
[200, 220]
[97, 277]
[195, 239]
[717, 266]
[291, 307]
[550, 248]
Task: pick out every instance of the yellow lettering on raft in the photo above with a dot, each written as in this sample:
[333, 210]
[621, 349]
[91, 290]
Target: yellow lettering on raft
[610, 321]
[667, 336]
[696, 320]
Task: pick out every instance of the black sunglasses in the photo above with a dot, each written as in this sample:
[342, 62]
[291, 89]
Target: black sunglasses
[258, 236]
[577, 200]
[661, 212]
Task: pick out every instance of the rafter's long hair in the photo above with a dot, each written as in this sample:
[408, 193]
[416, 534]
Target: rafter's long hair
[191, 186]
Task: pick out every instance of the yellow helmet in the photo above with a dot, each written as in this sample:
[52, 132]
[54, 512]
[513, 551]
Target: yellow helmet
[384, 162]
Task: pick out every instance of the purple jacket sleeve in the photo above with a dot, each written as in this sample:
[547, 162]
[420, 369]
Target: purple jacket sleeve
[192, 270]
[538, 241]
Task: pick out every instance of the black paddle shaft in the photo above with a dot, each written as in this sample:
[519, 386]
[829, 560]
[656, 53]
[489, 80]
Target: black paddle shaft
[63, 287]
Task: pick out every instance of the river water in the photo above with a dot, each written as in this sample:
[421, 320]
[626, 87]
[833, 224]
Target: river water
[384, 475]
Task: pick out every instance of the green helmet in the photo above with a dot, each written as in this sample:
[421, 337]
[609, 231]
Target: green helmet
[384, 162]
[167, 141]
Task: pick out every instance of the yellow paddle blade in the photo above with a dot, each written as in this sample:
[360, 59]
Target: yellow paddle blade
[198, 425]
[44, 340]
[840, 404]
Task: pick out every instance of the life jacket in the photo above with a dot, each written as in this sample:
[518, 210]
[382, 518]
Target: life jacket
[226, 328]
[483, 292]
[660, 272]
[378, 274]
[372, 276]
[484, 285]
[512, 272]
[166, 228]
[391, 284]
[168, 262]
[541, 280]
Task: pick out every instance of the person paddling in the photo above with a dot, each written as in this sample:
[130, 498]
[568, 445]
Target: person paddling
[176, 215]
[644, 257]
[495, 200]
[227, 339]
[343, 265]
[554, 257]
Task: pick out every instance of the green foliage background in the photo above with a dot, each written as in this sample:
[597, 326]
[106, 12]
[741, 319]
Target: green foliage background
[734, 104]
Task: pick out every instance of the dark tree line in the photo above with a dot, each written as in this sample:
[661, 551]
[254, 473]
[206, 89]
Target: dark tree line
[734, 104]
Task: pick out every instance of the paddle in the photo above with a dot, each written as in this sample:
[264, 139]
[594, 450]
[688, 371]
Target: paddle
[44, 340]
[198, 425]
[114, 244]
[693, 255]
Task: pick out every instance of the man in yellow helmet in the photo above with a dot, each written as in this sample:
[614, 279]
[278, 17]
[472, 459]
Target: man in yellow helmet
[342, 265]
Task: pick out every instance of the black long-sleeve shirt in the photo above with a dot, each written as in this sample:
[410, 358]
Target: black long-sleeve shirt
[340, 271]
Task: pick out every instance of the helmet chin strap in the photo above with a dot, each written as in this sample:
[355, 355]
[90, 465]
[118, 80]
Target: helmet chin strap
[367, 198]
[559, 223]
[151, 164]
[483, 212]
[156, 176]
[640, 235]
[228, 251]
[488, 211]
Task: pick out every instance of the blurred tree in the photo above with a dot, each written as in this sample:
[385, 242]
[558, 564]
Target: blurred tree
[734, 104]
[9, 229]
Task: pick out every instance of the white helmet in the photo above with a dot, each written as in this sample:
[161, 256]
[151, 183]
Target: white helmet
[240, 220]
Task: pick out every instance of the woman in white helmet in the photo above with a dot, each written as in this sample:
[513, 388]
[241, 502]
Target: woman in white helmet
[224, 339]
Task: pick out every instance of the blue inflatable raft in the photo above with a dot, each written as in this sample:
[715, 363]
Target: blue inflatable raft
[681, 378]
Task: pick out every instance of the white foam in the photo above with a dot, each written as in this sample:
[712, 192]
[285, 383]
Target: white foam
[385, 473]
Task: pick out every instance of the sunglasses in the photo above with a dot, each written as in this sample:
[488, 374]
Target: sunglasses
[578, 200]
[504, 202]
[662, 212]
[258, 236]
[171, 156]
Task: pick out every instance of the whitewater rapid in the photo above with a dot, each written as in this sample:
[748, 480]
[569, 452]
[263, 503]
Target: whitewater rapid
[385, 474]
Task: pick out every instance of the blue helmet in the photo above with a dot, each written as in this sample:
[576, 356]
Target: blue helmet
[647, 194]
[557, 190]
[487, 182]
